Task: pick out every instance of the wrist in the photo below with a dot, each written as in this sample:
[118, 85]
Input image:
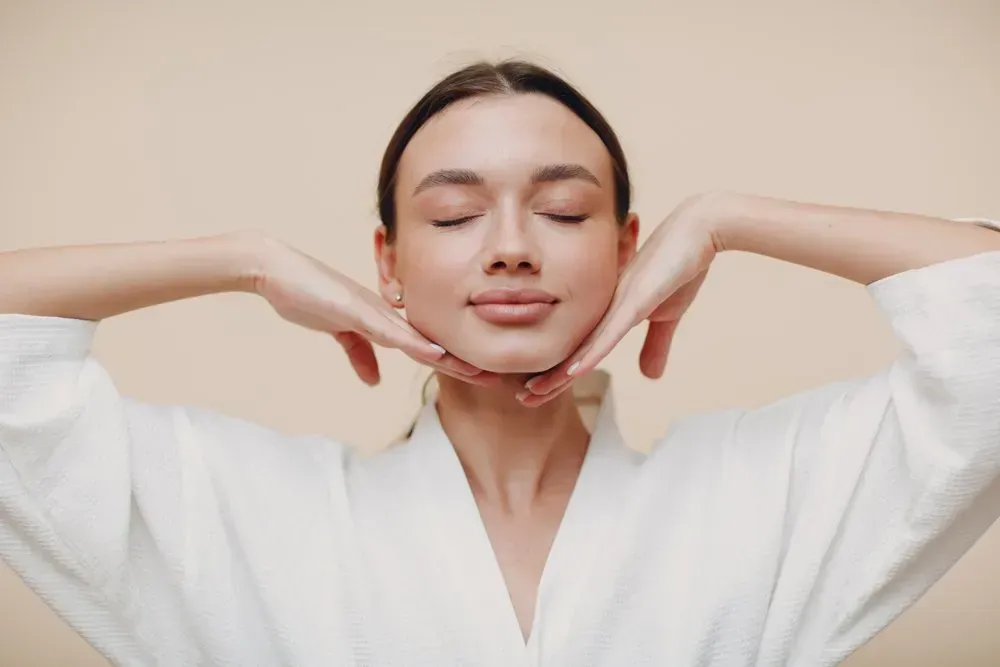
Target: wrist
[734, 220]
[249, 256]
[719, 214]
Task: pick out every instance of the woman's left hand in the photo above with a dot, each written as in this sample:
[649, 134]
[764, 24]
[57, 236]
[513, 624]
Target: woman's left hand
[658, 285]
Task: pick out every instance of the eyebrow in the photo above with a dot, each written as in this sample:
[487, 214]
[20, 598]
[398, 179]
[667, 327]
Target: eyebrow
[563, 172]
[448, 177]
[549, 173]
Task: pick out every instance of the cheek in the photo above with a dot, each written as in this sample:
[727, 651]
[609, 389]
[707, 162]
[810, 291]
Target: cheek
[591, 272]
[433, 279]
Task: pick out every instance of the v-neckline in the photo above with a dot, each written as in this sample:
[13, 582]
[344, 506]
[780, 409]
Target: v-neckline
[587, 520]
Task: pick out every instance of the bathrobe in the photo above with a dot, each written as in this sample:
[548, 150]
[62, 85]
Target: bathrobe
[787, 534]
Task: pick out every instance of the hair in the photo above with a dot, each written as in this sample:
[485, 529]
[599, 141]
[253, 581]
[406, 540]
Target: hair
[508, 77]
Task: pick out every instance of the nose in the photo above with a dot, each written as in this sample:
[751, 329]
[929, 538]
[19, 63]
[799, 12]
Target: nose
[511, 247]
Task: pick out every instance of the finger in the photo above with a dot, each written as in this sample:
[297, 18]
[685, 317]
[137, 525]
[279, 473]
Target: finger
[459, 372]
[653, 357]
[533, 401]
[572, 367]
[550, 380]
[607, 338]
[482, 379]
[602, 340]
[361, 355]
[451, 364]
[639, 303]
[377, 327]
[446, 361]
[455, 364]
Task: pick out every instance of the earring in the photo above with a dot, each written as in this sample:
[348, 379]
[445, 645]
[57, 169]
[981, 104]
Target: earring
[399, 298]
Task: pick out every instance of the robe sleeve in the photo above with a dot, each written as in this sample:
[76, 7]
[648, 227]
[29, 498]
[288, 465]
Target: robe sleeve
[894, 477]
[98, 490]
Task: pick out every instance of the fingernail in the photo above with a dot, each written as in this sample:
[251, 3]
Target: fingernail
[530, 384]
[437, 348]
[521, 395]
[574, 367]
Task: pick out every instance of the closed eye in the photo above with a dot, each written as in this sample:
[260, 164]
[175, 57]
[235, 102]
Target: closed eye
[557, 217]
[565, 218]
[453, 222]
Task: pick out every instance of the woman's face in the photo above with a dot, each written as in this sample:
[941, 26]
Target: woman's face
[507, 251]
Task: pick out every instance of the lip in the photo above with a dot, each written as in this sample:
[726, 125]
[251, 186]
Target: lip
[513, 306]
[512, 296]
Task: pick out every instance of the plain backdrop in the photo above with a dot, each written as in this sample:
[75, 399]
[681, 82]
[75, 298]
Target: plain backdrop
[137, 121]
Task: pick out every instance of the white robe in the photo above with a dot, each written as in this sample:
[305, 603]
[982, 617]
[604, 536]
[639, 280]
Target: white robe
[785, 535]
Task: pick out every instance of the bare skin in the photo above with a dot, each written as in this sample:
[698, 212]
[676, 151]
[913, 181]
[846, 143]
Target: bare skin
[522, 465]
[522, 543]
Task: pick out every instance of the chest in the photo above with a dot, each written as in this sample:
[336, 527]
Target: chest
[521, 545]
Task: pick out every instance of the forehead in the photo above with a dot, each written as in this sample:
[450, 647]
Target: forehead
[501, 137]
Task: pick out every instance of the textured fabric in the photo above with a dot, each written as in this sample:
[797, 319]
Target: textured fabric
[784, 535]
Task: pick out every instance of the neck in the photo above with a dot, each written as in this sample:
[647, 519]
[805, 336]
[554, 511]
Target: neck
[512, 454]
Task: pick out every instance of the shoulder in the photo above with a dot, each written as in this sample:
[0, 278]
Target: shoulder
[230, 445]
[772, 427]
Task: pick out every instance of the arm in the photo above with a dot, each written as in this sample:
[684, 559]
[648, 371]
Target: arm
[95, 282]
[857, 244]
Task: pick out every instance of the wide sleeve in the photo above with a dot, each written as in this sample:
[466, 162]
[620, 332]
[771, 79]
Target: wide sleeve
[113, 510]
[894, 477]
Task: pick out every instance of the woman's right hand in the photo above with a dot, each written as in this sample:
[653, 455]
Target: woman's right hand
[306, 292]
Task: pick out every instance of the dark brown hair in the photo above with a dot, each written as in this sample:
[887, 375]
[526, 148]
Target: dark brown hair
[504, 78]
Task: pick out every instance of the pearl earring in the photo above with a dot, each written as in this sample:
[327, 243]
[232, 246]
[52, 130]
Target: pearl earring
[399, 298]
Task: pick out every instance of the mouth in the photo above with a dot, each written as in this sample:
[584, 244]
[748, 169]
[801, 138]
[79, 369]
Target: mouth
[513, 306]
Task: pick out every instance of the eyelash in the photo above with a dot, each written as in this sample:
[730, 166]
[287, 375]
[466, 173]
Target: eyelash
[552, 216]
[453, 223]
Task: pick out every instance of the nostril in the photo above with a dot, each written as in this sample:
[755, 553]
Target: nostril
[520, 265]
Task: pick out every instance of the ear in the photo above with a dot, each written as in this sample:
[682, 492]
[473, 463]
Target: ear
[628, 241]
[385, 259]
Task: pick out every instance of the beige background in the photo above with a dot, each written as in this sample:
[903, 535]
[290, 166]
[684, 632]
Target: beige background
[123, 121]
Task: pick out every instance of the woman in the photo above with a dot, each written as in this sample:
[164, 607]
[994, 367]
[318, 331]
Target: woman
[506, 530]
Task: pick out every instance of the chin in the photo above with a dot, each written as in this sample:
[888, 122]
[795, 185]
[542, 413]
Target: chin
[519, 365]
[525, 358]
[522, 351]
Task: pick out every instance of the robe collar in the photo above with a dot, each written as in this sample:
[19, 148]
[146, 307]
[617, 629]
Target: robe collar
[444, 503]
